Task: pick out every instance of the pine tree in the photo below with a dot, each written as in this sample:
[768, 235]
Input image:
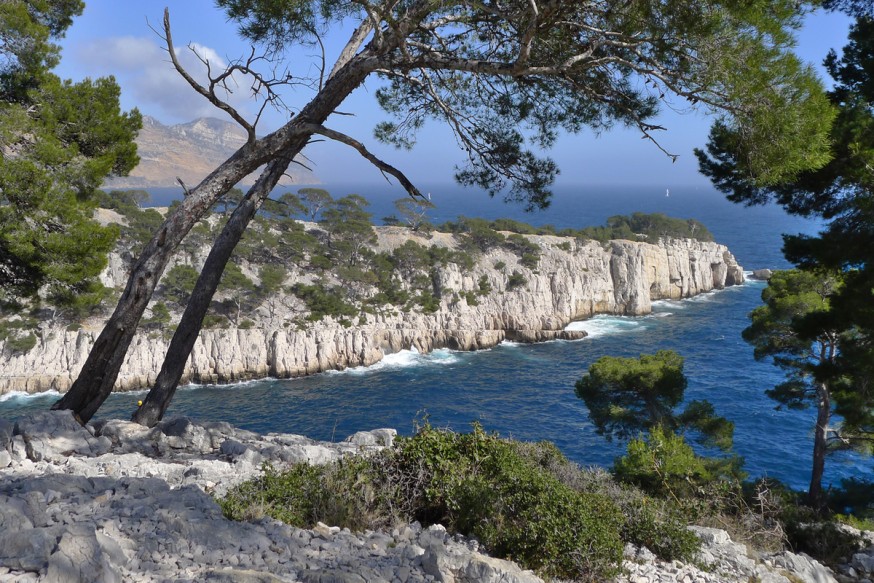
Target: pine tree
[59, 141]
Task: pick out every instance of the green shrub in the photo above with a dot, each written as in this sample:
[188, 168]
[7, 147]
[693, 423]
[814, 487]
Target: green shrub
[18, 333]
[565, 246]
[321, 262]
[499, 265]
[530, 260]
[516, 280]
[343, 493]
[808, 531]
[160, 317]
[322, 301]
[212, 321]
[513, 226]
[246, 325]
[484, 288]
[659, 526]
[21, 343]
[651, 227]
[477, 235]
[481, 485]
[428, 302]
[475, 484]
[663, 464]
[856, 497]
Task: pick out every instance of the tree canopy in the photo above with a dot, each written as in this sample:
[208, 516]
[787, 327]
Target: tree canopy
[841, 193]
[629, 396]
[794, 326]
[59, 141]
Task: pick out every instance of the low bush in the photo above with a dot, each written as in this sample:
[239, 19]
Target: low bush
[322, 301]
[499, 491]
[17, 333]
[516, 280]
[823, 538]
[513, 226]
[647, 226]
[484, 288]
[664, 465]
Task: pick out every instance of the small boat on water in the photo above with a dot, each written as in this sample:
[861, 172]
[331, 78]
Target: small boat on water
[667, 192]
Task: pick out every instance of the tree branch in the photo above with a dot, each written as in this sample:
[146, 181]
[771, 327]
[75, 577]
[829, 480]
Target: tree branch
[384, 167]
[209, 95]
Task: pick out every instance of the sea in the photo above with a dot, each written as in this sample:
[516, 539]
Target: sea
[527, 391]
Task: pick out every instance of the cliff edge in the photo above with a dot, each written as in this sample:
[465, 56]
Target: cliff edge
[573, 280]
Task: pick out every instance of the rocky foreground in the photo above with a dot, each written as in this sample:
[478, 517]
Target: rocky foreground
[118, 502]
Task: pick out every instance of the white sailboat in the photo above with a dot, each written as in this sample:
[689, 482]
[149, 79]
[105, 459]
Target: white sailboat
[667, 192]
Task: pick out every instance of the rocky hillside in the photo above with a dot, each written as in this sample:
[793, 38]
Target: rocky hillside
[190, 151]
[463, 304]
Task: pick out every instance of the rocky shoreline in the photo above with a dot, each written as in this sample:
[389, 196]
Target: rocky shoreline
[573, 280]
[115, 501]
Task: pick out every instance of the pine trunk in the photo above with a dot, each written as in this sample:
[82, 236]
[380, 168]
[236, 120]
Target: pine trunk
[156, 402]
[100, 371]
[815, 494]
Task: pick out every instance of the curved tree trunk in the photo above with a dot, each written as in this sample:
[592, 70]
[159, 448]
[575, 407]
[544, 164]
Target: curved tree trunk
[100, 371]
[815, 494]
[156, 402]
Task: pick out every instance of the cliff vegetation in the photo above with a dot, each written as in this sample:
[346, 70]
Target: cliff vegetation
[333, 290]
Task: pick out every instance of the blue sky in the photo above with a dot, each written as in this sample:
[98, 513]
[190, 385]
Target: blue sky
[113, 37]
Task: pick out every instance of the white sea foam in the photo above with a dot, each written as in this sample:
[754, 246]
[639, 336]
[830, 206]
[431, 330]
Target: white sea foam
[608, 325]
[231, 385]
[672, 304]
[704, 297]
[21, 396]
[403, 359]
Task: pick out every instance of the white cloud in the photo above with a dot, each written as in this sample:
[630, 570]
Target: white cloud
[147, 77]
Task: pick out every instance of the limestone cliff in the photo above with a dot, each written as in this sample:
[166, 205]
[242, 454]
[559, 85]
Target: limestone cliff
[573, 280]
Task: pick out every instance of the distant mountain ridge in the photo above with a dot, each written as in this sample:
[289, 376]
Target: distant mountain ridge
[190, 151]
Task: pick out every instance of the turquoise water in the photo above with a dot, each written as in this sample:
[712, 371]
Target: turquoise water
[527, 391]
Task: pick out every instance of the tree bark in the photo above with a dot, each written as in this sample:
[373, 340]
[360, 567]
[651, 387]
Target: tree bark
[156, 402]
[100, 371]
[815, 494]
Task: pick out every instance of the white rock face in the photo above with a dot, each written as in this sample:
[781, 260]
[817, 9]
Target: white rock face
[619, 277]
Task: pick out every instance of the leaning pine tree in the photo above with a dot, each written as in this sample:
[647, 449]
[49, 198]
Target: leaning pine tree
[506, 77]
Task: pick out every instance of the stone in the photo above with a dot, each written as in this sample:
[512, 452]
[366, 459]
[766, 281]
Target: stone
[711, 536]
[804, 567]
[54, 435]
[80, 559]
[6, 431]
[864, 561]
[377, 437]
[240, 576]
[183, 433]
[28, 549]
[331, 576]
[762, 274]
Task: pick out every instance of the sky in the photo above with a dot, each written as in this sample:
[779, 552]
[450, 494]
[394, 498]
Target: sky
[119, 38]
